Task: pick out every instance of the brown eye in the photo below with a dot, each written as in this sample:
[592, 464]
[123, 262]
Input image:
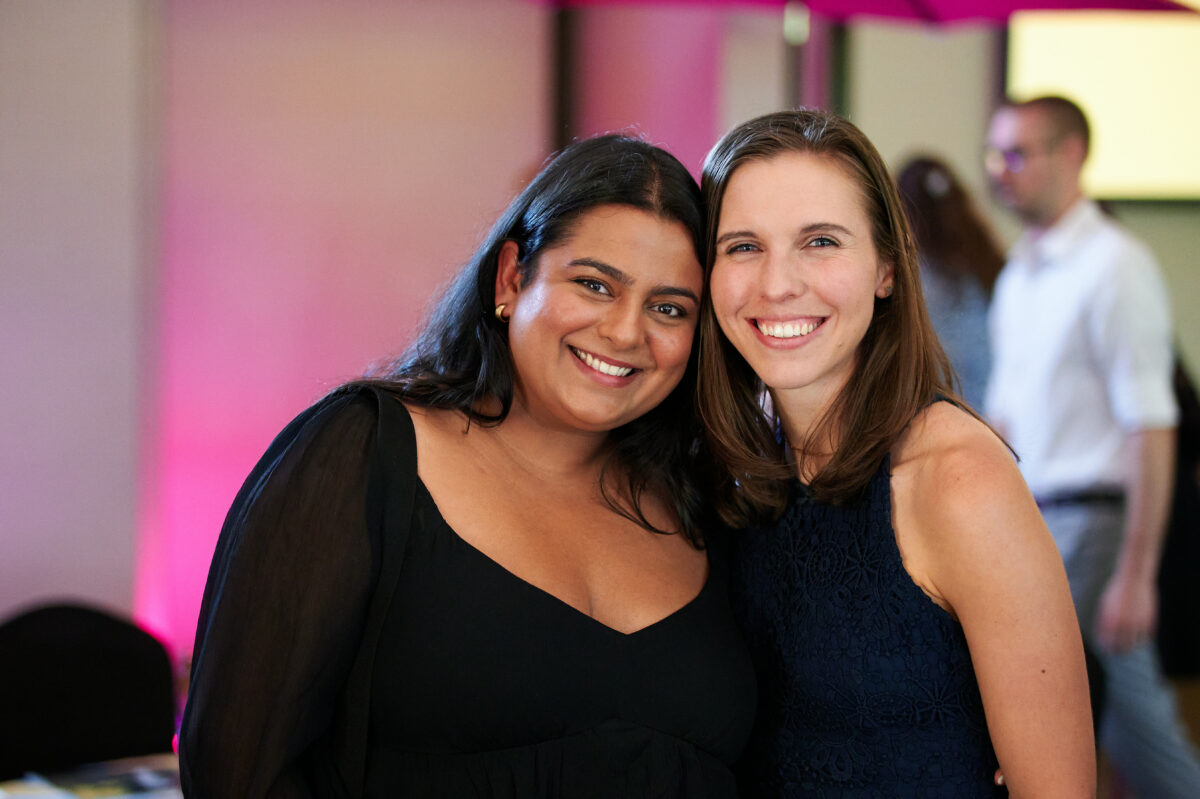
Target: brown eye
[592, 284]
[669, 309]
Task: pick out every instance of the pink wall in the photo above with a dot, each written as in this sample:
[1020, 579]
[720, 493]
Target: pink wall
[325, 166]
[250, 202]
[655, 68]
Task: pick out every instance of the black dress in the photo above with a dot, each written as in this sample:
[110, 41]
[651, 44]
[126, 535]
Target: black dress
[481, 685]
[865, 686]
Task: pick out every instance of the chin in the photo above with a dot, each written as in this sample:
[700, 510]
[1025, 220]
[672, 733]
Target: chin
[784, 379]
[601, 422]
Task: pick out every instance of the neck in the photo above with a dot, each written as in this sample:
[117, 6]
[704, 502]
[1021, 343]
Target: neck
[551, 453]
[801, 417]
[1054, 213]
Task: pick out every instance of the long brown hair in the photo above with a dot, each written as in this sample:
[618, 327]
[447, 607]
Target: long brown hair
[900, 366]
[951, 233]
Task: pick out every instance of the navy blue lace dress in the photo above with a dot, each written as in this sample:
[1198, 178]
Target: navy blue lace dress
[865, 686]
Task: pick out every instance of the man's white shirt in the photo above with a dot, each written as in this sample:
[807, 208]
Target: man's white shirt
[1082, 352]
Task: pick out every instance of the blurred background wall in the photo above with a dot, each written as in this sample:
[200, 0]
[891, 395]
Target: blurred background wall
[75, 281]
[211, 213]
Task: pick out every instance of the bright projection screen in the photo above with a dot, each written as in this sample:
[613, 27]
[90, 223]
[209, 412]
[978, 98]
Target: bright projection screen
[1137, 75]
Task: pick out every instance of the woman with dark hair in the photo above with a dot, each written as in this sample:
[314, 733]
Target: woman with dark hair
[905, 607]
[481, 573]
[960, 260]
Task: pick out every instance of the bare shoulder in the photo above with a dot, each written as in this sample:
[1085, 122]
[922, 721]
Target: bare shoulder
[950, 460]
[436, 424]
[958, 500]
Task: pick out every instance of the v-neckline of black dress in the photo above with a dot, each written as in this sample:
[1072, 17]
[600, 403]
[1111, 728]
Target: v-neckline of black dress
[557, 601]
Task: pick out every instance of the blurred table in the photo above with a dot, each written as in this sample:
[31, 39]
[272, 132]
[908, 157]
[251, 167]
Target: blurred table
[151, 777]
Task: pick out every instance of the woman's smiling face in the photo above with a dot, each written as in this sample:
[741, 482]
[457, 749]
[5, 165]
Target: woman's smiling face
[796, 273]
[603, 330]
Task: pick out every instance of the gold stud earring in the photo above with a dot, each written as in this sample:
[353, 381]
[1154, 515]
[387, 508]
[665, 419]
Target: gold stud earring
[500, 312]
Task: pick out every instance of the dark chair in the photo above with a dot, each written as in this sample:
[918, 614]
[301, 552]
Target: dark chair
[79, 685]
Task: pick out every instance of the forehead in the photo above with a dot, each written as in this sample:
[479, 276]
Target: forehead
[791, 181]
[637, 242]
[616, 224]
[1012, 125]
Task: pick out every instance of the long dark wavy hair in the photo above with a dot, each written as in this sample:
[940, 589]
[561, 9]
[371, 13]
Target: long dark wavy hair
[461, 360]
[900, 366]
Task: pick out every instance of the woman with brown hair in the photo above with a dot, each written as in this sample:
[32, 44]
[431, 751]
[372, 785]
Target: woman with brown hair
[905, 607]
[960, 260]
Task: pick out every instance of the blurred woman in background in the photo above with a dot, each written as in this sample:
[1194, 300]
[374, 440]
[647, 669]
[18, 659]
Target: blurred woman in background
[960, 260]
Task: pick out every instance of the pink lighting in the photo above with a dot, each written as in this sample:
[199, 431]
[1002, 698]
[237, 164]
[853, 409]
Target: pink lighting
[324, 168]
[680, 46]
[937, 11]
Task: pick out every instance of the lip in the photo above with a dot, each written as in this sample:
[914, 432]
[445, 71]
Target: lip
[596, 374]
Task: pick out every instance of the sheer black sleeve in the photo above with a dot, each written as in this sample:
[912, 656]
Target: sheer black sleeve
[283, 609]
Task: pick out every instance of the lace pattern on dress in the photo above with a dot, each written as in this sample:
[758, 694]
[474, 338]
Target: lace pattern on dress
[866, 686]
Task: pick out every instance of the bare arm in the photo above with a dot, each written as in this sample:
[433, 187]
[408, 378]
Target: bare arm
[1129, 606]
[973, 539]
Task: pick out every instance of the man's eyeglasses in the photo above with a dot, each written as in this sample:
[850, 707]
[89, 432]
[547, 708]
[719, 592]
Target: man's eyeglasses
[1014, 159]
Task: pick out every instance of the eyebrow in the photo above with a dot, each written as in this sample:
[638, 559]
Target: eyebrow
[676, 291]
[813, 228]
[625, 280]
[605, 269]
[734, 234]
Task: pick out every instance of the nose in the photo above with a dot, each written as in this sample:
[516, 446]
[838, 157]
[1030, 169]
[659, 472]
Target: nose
[622, 324]
[781, 277]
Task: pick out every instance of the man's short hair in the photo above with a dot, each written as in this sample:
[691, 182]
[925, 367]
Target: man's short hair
[1066, 117]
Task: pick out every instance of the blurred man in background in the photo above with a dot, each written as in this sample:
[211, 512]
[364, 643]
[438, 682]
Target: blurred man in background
[1081, 387]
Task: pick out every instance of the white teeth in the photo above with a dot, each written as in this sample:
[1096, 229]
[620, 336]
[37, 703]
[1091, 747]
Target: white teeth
[602, 366]
[787, 330]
